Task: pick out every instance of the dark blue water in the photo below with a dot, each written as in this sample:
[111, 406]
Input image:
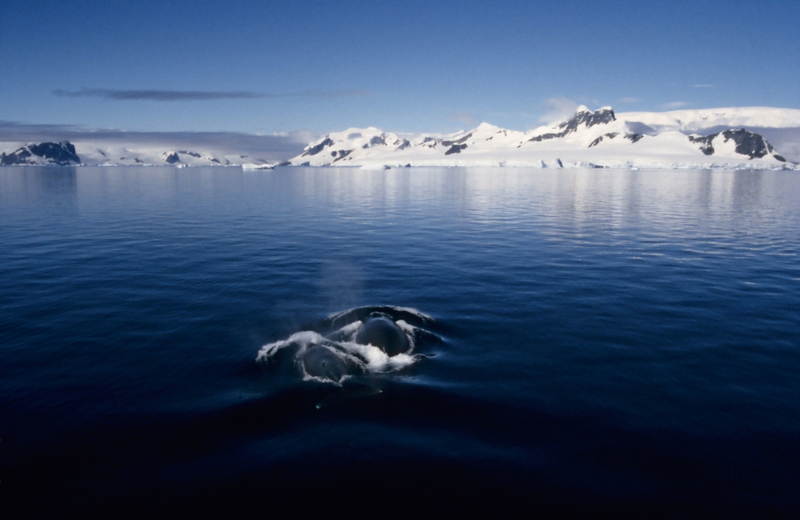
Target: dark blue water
[603, 341]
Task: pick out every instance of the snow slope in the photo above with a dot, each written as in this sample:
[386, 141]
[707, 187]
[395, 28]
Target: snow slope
[714, 138]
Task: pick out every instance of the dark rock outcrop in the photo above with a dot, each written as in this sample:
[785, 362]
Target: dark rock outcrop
[314, 150]
[456, 148]
[457, 141]
[375, 141]
[171, 157]
[342, 155]
[430, 142]
[584, 117]
[747, 143]
[596, 142]
[610, 135]
[706, 145]
[62, 154]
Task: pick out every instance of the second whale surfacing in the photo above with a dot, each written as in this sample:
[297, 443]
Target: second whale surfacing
[382, 332]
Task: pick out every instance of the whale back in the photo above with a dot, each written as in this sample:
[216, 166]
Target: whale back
[385, 334]
[321, 362]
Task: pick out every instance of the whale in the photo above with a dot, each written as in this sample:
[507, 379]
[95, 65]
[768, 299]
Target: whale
[343, 348]
[382, 332]
[319, 361]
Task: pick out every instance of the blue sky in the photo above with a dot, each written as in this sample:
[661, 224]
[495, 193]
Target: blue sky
[265, 67]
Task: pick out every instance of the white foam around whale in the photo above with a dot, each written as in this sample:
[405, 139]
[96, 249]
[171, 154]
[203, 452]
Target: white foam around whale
[362, 359]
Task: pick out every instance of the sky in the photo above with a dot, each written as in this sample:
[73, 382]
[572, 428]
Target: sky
[260, 67]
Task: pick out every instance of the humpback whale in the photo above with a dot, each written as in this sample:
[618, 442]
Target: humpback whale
[320, 361]
[365, 341]
[382, 332]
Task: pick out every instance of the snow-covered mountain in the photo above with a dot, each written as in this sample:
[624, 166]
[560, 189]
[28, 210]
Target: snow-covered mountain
[714, 138]
[89, 154]
[729, 138]
[61, 154]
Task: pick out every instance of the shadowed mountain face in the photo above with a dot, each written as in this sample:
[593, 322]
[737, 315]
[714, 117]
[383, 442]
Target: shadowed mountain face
[706, 145]
[747, 143]
[62, 154]
[171, 157]
[750, 144]
[318, 148]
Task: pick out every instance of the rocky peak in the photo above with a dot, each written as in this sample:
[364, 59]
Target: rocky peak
[583, 116]
[62, 154]
[602, 116]
[317, 148]
[747, 143]
[170, 157]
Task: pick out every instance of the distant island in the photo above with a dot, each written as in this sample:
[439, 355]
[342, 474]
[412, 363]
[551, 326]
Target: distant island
[728, 138]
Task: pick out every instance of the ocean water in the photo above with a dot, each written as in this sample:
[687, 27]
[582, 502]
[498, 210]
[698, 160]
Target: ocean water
[585, 342]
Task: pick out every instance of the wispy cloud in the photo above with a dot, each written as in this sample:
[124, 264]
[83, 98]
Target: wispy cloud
[674, 104]
[557, 109]
[630, 100]
[464, 117]
[196, 95]
[325, 94]
[704, 85]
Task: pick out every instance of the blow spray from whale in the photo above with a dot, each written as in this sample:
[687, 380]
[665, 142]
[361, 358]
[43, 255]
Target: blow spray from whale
[365, 341]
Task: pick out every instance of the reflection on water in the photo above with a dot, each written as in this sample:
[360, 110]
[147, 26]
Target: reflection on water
[35, 182]
[603, 334]
[476, 191]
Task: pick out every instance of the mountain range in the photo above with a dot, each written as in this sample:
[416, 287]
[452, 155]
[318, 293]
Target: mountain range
[726, 138]
[65, 153]
[715, 138]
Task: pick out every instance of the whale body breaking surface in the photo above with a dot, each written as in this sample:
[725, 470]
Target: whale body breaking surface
[385, 334]
[364, 341]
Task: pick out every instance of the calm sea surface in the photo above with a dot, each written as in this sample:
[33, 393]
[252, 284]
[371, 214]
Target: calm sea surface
[598, 341]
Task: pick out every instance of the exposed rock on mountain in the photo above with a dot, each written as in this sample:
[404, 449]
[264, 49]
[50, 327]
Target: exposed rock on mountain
[171, 157]
[61, 154]
[314, 150]
[747, 143]
[65, 153]
[599, 140]
[708, 138]
[456, 148]
[583, 116]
